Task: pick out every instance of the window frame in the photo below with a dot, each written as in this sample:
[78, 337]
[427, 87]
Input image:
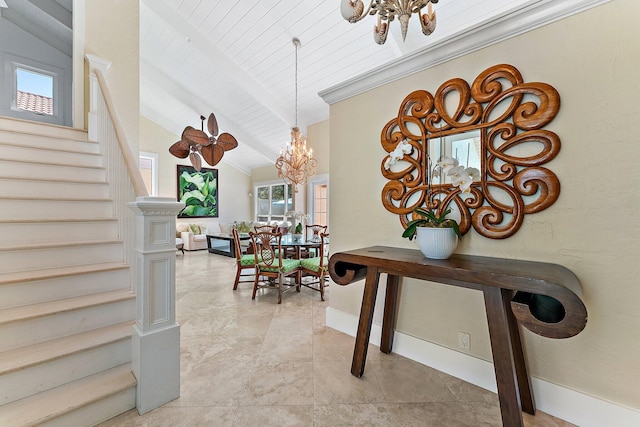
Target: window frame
[289, 195]
[322, 179]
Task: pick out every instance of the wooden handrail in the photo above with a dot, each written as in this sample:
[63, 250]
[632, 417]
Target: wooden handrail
[130, 160]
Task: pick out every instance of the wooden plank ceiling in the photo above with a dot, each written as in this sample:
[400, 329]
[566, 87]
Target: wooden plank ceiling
[236, 59]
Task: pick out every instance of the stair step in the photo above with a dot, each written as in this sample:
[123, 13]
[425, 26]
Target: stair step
[37, 323]
[34, 369]
[87, 401]
[42, 129]
[37, 256]
[58, 157]
[42, 209]
[15, 233]
[41, 169]
[48, 142]
[52, 188]
[33, 287]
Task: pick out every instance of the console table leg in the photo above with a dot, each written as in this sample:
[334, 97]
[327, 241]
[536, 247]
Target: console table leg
[503, 358]
[364, 324]
[389, 318]
[517, 348]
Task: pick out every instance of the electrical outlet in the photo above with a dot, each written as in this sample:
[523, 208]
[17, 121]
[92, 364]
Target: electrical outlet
[464, 340]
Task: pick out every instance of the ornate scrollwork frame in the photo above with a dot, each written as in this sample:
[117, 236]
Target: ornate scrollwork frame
[508, 113]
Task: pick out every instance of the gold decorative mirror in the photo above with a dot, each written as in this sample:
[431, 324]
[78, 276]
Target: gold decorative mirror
[498, 123]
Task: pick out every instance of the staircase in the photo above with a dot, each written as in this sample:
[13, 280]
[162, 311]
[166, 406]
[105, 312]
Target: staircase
[66, 304]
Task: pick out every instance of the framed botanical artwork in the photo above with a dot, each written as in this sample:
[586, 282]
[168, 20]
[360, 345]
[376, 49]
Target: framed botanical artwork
[198, 190]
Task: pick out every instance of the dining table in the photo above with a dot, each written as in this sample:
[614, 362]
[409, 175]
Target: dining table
[298, 244]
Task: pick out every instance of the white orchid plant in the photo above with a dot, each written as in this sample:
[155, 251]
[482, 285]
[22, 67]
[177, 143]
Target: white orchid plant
[461, 177]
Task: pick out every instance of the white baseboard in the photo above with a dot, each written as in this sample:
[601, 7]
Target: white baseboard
[561, 402]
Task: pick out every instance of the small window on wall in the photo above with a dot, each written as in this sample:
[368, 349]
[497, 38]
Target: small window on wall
[149, 171]
[273, 202]
[34, 91]
[318, 199]
[320, 204]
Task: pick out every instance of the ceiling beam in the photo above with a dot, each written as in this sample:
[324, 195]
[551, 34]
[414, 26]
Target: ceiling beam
[209, 50]
[166, 84]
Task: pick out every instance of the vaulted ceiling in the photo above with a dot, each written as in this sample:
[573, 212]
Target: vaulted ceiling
[236, 59]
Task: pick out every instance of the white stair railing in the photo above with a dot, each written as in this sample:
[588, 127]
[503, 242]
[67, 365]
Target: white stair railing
[147, 228]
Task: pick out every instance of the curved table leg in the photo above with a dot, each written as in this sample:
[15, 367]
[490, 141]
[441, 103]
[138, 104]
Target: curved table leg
[508, 361]
[364, 324]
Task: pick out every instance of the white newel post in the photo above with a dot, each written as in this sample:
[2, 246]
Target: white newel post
[156, 335]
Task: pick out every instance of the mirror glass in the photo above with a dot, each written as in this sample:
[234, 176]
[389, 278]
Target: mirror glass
[464, 147]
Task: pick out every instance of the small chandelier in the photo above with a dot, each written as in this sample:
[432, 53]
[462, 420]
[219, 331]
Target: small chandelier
[296, 163]
[387, 11]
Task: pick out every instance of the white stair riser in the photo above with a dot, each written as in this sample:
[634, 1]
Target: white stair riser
[27, 140]
[54, 209]
[34, 331]
[12, 261]
[52, 189]
[37, 291]
[35, 379]
[25, 154]
[11, 169]
[37, 128]
[15, 234]
[97, 412]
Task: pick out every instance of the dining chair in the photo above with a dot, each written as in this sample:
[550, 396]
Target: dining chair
[270, 228]
[270, 264]
[317, 267]
[243, 262]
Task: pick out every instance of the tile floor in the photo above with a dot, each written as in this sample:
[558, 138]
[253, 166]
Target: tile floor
[257, 363]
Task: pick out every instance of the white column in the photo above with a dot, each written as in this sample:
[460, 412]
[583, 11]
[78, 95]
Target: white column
[156, 335]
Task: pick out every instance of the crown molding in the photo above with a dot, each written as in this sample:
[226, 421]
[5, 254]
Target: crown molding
[498, 29]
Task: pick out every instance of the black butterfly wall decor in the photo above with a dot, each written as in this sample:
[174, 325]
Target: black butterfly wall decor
[197, 145]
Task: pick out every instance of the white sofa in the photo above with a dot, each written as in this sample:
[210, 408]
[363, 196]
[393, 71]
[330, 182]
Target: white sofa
[194, 236]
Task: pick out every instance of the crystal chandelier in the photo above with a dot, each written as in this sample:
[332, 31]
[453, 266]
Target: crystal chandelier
[387, 11]
[296, 163]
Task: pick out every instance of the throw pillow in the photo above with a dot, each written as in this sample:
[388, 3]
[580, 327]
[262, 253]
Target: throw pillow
[195, 228]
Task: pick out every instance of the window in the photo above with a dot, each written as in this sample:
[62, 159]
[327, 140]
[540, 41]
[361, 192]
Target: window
[273, 202]
[149, 170]
[34, 91]
[320, 204]
[318, 200]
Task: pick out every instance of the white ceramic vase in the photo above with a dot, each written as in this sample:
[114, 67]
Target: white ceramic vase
[436, 243]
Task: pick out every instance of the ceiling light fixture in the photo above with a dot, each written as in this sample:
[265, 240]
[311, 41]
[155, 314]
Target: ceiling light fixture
[387, 11]
[296, 163]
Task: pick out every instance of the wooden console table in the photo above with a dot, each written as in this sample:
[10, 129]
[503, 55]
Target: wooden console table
[543, 297]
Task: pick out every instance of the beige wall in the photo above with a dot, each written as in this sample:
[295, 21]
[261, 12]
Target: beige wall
[233, 185]
[112, 33]
[593, 228]
[318, 140]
